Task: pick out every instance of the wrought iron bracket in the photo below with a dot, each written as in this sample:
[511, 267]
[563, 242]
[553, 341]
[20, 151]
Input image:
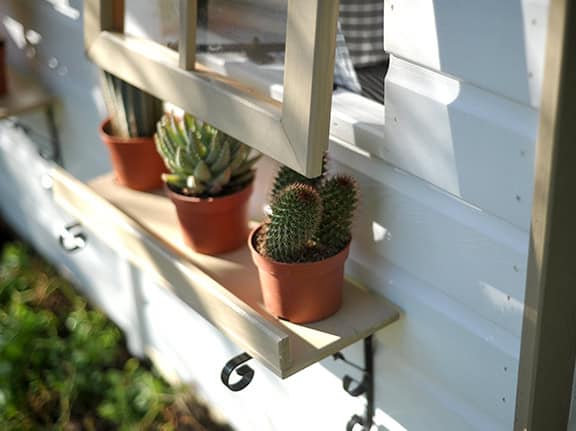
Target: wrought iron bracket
[363, 387]
[237, 363]
[72, 238]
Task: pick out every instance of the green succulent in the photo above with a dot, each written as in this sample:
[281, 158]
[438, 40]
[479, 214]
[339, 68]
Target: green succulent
[133, 112]
[295, 218]
[287, 176]
[202, 160]
[295, 231]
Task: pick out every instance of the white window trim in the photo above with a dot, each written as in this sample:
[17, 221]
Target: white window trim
[294, 132]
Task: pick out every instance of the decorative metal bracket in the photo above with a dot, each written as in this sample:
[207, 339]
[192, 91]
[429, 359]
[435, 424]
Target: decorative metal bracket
[72, 238]
[364, 387]
[244, 371]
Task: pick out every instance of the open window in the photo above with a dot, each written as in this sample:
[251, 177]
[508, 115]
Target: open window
[294, 131]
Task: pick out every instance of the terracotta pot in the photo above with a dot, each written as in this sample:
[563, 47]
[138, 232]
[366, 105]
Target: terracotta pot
[213, 225]
[136, 163]
[3, 71]
[301, 292]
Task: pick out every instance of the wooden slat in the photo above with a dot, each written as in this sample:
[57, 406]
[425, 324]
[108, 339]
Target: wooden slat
[548, 347]
[224, 289]
[102, 15]
[308, 79]
[234, 109]
[187, 41]
[23, 95]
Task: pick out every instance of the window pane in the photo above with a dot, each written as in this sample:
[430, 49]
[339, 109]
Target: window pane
[244, 39]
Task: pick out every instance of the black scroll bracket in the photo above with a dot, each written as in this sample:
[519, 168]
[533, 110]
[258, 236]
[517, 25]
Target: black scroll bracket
[237, 363]
[363, 387]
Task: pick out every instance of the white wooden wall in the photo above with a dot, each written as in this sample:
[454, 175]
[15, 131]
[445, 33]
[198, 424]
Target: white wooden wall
[442, 229]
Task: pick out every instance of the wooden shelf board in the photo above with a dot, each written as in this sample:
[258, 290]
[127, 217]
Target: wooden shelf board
[234, 274]
[23, 95]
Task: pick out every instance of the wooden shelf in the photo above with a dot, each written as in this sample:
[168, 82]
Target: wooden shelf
[224, 289]
[23, 95]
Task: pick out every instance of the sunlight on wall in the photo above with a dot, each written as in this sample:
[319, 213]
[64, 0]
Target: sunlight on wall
[500, 299]
[64, 7]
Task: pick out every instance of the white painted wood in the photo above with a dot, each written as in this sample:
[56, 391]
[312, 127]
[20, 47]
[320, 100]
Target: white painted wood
[308, 79]
[187, 42]
[474, 258]
[299, 133]
[462, 139]
[496, 45]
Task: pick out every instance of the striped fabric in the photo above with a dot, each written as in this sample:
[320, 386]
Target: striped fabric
[362, 23]
[344, 73]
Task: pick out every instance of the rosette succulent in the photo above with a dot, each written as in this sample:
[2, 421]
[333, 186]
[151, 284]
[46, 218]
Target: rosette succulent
[202, 160]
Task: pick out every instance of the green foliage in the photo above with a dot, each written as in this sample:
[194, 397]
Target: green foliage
[296, 214]
[203, 161]
[63, 365]
[133, 112]
[289, 235]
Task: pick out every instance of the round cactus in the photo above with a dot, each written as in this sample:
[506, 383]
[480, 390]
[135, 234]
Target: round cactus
[203, 161]
[296, 215]
[339, 198]
[287, 176]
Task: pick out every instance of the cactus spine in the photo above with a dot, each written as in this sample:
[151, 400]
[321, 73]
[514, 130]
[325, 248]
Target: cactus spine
[133, 112]
[296, 215]
[295, 231]
[203, 161]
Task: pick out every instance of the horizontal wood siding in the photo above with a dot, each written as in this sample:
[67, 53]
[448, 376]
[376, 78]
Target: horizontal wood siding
[496, 45]
[472, 143]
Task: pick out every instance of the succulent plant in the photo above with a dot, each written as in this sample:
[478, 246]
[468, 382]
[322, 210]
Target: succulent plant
[309, 219]
[203, 161]
[296, 215]
[287, 176]
[133, 112]
[339, 198]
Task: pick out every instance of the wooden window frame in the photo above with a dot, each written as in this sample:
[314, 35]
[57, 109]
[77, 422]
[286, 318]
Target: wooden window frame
[295, 131]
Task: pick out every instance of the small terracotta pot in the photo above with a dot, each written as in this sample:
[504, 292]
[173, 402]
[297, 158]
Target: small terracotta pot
[136, 163]
[300, 292]
[3, 72]
[213, 225]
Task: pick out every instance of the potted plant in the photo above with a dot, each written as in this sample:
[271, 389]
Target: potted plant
[301, 248]
[210, 182]
[128, 133]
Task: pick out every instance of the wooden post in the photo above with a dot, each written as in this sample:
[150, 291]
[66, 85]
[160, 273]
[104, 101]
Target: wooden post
[549, 331]
[102, 15]
[187, 42]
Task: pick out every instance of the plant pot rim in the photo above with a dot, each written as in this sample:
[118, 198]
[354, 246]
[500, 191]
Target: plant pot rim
[273, 266]
[106, 136]
[194, 199]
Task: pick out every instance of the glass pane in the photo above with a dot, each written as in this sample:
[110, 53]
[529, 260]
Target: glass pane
[152, 20]
[244, 39]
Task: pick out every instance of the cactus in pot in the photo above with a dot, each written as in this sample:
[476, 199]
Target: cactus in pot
[133, 112]
[210, 182]
[301, 248]
[202, 160]
[128, 131]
